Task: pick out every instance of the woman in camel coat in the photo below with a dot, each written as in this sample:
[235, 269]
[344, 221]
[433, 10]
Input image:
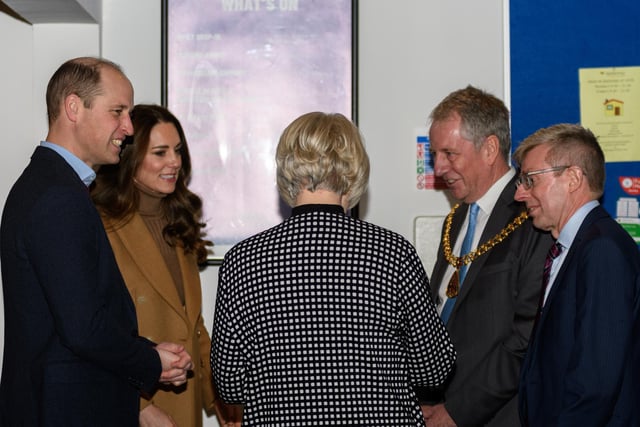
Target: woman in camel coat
[154, 225]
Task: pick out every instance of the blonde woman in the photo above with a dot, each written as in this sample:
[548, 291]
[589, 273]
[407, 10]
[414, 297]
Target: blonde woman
[325, 319]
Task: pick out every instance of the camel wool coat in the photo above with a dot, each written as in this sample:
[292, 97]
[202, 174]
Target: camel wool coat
[161, 316]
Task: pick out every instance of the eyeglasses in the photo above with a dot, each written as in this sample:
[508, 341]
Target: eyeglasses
[526, 180]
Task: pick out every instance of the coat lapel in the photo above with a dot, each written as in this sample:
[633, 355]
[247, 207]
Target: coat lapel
[596, 214]
[137, 240]
[505, 210]
[190, 278]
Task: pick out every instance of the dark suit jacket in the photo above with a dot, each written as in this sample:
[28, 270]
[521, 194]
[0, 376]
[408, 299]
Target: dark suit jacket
[582, 367]
[491, 321]
[72, 355]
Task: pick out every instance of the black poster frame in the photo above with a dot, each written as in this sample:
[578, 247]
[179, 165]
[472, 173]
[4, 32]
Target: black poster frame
[224, 28]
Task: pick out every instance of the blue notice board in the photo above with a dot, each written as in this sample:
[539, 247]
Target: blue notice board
[550, 41]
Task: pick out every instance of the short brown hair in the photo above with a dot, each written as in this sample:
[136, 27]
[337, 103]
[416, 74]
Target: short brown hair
[572, 145]
[80, 76]
[481, 115]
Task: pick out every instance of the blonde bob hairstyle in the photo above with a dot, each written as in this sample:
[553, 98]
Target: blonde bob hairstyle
[322, 151]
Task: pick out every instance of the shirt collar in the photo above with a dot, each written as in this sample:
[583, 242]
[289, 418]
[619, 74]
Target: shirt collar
[569, 231]
[490, 198]
[86, 174]
[302, 209]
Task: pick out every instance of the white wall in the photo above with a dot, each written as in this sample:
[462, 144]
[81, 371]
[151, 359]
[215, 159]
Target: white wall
[412, 53]
[15, 110]
[52, 45]
[131, 34]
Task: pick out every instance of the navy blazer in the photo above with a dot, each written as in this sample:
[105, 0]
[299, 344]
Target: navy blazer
[582, 367]
[72, 355]
[492, 319]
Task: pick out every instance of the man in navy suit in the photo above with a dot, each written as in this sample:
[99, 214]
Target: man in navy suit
[72, 354]
[582, 365]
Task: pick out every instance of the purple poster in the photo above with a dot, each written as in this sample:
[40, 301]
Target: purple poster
[238, 72]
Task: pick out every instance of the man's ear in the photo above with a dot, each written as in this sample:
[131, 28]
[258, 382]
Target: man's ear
[72, 106]
[576, 178]
[491, 148]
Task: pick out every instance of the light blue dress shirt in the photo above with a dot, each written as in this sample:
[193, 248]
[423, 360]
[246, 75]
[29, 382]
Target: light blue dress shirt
[86, 174]
[566, 237]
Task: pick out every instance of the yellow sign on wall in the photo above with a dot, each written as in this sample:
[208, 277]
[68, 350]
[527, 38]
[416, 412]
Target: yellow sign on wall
[610, 107]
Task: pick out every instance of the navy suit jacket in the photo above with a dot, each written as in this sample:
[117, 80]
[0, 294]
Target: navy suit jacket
[492, 319]
[72, 355]
[582, 366]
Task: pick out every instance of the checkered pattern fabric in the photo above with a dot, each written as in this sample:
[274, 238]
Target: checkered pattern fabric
[326, 320]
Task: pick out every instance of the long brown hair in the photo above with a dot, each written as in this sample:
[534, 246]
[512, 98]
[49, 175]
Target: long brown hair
[116, 196]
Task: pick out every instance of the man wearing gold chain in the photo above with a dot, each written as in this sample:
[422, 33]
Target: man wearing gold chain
[487, 284]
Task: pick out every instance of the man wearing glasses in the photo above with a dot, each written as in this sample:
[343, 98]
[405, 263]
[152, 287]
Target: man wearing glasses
[487, 277]
[582, 367]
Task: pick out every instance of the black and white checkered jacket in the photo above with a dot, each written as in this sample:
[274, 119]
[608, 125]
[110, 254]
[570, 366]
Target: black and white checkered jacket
[326, 320]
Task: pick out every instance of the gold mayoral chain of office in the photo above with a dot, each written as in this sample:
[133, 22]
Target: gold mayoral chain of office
[454, 284]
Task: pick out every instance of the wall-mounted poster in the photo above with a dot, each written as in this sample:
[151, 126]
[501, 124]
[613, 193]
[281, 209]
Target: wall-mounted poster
[426, 177]
[610, 107]
[237, 72]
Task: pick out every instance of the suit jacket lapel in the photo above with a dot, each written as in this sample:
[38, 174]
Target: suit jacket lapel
[504, 211]
[597, 213]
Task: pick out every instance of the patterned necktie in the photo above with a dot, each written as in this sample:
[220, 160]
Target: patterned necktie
[553, 253]
[466, 248]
